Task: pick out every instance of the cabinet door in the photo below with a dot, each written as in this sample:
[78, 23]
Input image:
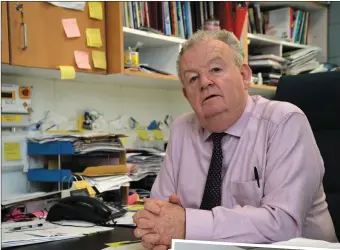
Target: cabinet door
[4, 34]
[47, 44]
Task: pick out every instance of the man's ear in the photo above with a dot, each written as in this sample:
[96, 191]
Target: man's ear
[184, 92]
[246, 75]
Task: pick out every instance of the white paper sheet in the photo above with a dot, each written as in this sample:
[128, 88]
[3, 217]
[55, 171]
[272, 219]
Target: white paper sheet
[48, 232]
[70, 5]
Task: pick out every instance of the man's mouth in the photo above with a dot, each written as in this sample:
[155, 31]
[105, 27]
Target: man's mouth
[210, 97]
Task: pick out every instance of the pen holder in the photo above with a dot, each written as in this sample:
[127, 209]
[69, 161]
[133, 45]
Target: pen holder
[131, 58]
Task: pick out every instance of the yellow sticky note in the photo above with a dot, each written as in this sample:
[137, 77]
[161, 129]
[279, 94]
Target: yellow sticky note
[71, 27]
[82, 59]
[143, 135]
[67, 72]
[123, 140]
[135, 207]
[158, 134]
[121, 243]
[93, 37]
[96, 10]
[99, 59]
[12, 151]
[11, 118]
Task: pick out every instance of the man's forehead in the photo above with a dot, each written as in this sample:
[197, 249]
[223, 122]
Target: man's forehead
[205, 51]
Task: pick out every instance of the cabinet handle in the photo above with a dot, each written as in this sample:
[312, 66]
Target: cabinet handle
[25, 37]
[20, 8]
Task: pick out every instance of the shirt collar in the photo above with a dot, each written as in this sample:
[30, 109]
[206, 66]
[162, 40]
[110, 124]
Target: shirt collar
[237, 128]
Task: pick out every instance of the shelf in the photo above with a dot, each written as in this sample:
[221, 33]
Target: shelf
[263, 87]
[152, 75]
[265, 40]
[127, 78]
[303, 5]
[149, 39]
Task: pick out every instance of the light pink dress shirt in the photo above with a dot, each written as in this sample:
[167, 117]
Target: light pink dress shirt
[276, 138]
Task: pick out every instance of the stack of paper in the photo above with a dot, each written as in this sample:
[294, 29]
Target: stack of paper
[108, 183]
[301, 60]
[33, 234]
[148, 162]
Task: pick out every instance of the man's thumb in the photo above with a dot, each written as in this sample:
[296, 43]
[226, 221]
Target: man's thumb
[175, 199]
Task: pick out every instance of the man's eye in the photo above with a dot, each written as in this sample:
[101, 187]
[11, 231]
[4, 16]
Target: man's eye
[194, 78]
[215, 70]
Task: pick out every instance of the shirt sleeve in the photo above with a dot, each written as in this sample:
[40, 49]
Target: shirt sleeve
[164, 184]
[292, 178]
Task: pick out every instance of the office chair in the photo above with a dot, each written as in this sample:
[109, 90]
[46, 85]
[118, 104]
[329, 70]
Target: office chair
[318, 96]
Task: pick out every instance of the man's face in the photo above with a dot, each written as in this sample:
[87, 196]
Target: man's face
[212, 82]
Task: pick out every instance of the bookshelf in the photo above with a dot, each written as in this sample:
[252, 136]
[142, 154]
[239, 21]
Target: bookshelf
[160, 51]
[317, 31]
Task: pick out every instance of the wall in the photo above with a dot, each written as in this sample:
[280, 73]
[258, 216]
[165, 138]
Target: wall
[334, 33]
[68, 98]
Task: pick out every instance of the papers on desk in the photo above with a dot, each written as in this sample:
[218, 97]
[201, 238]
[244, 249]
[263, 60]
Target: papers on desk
[126, 219]
[108, 183]
[46, 233]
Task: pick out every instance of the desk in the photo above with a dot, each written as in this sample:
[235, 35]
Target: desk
[93, 242]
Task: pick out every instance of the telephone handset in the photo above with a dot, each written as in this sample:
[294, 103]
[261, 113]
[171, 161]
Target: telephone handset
[83, 208]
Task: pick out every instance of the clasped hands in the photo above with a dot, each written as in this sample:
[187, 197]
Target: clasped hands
[160, 222]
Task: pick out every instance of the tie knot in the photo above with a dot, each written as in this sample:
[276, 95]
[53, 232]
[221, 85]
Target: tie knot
[217, 137]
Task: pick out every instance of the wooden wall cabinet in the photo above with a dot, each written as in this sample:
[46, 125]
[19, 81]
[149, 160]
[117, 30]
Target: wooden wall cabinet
[47, 44]
[4, 33]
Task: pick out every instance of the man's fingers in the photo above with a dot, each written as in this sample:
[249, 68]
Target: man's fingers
[139, 233]
[145, 223]
[152, 238]
[152, 206]
[147, 245]
[142, 214]
[175, 199]
[160, 247]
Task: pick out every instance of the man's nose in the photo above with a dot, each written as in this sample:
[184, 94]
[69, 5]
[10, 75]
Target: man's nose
[205, 82]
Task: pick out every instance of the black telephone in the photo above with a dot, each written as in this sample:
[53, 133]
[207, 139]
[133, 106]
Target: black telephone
[82, 208]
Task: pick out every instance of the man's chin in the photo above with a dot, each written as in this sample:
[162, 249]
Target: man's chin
[211, 113]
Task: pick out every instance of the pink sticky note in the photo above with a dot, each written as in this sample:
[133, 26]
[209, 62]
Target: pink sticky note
[71, 27]
[82, 59]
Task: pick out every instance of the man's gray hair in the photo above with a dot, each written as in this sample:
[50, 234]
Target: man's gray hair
[222, 35]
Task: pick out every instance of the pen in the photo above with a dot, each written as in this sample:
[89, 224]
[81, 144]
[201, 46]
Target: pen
[26, 227]
[257, 177]
[130, 242]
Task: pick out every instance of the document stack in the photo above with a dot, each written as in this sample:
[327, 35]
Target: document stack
[270, 66]
[148, 161]
[301, 61]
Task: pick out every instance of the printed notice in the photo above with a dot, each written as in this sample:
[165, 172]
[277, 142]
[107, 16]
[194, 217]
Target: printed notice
[71, 27]
[12, 151]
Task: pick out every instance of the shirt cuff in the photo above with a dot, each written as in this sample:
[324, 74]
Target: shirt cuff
[199, 224]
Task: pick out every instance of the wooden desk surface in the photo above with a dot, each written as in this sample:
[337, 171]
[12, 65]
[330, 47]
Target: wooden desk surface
[93, 242]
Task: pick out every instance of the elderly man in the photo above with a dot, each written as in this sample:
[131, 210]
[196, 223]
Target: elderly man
[240, 168]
